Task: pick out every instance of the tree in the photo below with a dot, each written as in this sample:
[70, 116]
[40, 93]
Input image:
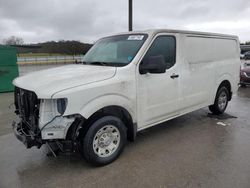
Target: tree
[13, 40]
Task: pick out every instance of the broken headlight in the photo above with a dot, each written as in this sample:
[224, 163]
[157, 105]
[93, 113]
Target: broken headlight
[61, 105]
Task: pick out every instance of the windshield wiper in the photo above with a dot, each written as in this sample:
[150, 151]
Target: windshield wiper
[98, 63]
[93, 63]
[113, 64]
[83, 62]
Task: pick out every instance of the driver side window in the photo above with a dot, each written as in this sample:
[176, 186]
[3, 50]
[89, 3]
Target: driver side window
[163, 46]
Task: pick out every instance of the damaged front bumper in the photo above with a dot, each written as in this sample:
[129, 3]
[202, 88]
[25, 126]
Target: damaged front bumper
[40, 120]
[28, 139]
[55, 130]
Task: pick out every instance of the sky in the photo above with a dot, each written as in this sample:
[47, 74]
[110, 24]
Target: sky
[88, 20]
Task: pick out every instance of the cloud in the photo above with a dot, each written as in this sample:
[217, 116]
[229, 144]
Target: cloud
[37, 21]
[240, 28]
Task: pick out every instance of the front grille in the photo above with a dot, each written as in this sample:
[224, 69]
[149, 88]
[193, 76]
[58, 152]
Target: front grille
[27, 107]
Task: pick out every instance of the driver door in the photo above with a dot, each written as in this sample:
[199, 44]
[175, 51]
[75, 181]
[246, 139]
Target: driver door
[157, 93]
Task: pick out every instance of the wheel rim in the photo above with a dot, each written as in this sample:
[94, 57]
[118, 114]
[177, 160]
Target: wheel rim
[222, 100]
[106, 141]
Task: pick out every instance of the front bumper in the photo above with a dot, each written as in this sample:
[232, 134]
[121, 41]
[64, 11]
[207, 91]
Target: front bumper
[244, 79]
[27, 139]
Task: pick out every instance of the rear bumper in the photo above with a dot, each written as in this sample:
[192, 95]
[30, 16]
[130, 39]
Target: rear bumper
[25, 138]
[245, 83]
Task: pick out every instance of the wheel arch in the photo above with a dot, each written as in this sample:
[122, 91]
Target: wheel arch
[104, 101]
[115, 105]
[83, 124]
[122, 114]
[227, 84]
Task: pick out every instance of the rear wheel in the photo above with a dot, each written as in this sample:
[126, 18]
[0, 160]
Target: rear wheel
[104, 140]
[221, 101]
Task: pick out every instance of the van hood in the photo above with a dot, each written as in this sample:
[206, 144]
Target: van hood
[45, 83]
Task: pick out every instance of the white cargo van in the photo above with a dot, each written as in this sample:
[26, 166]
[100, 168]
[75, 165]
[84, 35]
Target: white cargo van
[127, 82]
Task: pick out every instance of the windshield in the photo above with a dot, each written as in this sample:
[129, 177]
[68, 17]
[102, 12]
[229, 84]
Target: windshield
[116, 50]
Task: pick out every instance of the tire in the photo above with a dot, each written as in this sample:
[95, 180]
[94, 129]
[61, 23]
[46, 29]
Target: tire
[104, 140]
[221, 101]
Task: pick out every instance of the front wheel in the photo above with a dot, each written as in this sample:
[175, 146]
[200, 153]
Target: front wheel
[221, 101]
[104, 141]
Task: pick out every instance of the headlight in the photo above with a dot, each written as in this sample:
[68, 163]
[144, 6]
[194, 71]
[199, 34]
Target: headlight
[61, 105]
[53, 107]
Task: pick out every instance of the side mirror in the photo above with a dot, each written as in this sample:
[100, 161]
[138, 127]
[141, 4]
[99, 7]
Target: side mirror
[154, 65]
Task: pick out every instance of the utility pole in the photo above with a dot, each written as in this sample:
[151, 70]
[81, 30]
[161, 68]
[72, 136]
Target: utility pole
[130, 15]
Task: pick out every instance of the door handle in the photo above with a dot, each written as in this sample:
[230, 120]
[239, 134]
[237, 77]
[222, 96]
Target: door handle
[173, 76]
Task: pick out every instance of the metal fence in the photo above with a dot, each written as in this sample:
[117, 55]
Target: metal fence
[30, 64]
[49, 59]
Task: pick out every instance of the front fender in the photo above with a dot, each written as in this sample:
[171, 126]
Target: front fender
[108, 100]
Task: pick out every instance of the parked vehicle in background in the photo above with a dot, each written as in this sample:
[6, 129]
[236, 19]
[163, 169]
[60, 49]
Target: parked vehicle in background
[245, 74]
[127, 82]
[247, 55]
[242, 56]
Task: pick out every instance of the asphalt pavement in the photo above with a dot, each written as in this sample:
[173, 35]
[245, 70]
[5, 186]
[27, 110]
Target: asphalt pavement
[194, 150]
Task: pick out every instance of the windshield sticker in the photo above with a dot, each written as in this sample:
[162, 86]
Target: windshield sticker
[135, 37]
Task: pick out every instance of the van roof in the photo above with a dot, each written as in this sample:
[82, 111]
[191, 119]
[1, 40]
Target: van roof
[156, 31]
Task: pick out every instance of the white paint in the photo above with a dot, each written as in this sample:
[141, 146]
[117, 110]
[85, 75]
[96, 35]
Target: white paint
[203, 61]
[57, 128]
[48, 82]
